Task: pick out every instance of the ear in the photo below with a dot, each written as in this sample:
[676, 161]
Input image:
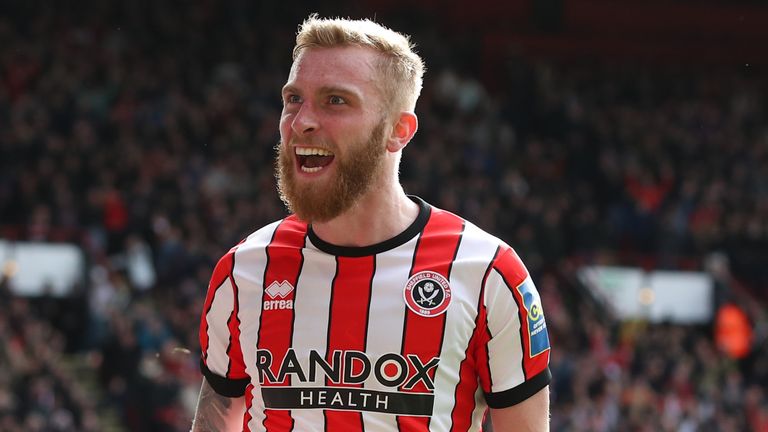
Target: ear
[403, 130]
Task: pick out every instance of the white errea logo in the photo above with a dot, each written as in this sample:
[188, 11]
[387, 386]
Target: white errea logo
[281, 289]
[278, 290]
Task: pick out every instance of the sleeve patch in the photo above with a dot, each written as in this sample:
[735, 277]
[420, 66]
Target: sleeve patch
[538, 337]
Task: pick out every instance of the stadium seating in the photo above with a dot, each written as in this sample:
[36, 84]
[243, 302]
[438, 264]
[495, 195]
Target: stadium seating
[143, 133]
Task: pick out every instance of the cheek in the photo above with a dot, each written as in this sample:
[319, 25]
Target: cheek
[356, 130]
[285, 127]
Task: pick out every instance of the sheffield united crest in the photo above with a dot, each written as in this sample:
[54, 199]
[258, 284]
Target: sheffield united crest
[427, 294]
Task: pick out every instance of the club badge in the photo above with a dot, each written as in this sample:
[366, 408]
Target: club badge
[427, 294]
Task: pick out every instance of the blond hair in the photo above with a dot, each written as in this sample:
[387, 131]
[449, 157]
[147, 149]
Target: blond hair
[401, 68]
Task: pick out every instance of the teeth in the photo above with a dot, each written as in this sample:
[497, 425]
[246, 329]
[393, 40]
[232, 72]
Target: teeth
[311, 170]
[312, 151]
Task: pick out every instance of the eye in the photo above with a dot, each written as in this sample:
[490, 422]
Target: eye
[292, 98]
[336, 100]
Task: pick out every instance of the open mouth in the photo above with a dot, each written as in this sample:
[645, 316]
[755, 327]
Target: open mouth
[313, 159]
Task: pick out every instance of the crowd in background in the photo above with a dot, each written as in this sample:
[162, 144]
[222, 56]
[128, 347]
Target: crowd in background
[144, 132]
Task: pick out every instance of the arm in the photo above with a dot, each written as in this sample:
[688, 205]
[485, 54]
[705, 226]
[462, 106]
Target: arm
[515, 352]
[530, 415]
[217, 413]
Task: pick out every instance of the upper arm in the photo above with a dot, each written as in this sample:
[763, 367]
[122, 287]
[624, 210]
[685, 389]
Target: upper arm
[514, 345]
[530, 415]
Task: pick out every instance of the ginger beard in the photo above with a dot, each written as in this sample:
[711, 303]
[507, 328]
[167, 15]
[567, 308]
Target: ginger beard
[320, 200]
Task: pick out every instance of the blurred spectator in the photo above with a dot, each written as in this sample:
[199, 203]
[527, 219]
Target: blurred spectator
[144, 132]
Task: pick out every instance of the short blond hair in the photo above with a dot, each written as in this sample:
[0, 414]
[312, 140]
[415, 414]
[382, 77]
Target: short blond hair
[401, 68]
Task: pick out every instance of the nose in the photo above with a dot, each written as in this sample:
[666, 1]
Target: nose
[305, 121]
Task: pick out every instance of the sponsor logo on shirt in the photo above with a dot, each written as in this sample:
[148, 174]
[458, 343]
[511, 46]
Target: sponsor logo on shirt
[427, 294]
[344, 373]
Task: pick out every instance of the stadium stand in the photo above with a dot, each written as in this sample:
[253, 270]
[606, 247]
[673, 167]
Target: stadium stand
[143, 132]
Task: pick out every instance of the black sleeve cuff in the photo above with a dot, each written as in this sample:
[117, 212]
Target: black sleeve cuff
[224, 386]
[520, 393]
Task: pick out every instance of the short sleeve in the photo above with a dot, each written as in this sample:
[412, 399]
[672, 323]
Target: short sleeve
[221, 361]
[514, 348]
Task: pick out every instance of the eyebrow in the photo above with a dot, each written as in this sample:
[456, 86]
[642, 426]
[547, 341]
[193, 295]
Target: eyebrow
[289, 89]
[324, 90]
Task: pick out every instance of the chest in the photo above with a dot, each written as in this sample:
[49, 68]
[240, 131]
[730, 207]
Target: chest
[376, 321]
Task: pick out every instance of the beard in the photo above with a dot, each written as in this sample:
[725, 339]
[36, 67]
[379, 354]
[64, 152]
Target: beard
[321, 200]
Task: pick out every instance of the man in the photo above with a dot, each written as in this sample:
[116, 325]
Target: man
[367, 309]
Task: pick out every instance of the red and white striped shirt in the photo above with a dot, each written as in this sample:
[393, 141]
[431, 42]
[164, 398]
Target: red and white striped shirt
[421, 332]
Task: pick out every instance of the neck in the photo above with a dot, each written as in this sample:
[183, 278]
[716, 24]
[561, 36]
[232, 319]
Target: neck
[377, 216]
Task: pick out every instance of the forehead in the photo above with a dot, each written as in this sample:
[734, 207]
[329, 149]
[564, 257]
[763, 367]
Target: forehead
[343, 67]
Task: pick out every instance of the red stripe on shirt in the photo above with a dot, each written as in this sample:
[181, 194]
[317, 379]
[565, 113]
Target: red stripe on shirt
[474, 365]
[248, 404]
[236, 368]
[482, 358]
[284, 262]
[423, 336]
[348, 327]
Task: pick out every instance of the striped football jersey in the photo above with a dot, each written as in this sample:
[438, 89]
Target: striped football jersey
[422, 332]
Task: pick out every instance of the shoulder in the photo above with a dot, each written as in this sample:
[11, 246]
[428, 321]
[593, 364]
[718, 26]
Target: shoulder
[477, 252]
[289, 231]
[475, 243]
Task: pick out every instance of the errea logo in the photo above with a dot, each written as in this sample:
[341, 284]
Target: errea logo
[281, 289]
[278, 290]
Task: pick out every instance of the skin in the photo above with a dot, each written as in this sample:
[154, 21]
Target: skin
[217, 413]
[530, 415]
[331, 97]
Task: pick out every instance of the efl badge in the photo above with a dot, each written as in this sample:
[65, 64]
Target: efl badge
[538, 337]
[427, 293]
